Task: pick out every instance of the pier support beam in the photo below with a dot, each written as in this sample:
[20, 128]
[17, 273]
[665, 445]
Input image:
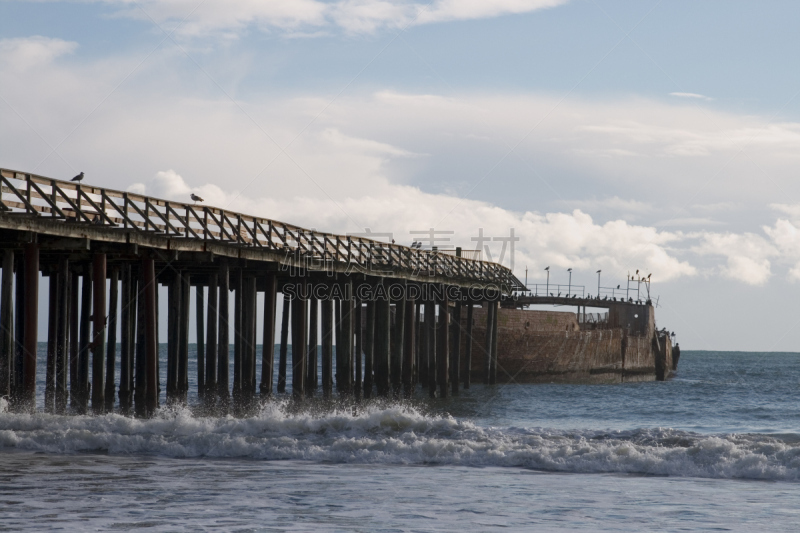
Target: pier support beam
[488, 342]
[268, 343]
[409, 348]
[111, 349]
[7, 325]
[151, 336]
[397, 336]
[127, 335]
[238, 338]
[62, 330]
[212, 343]
[358, 348]
[299, 336]
[369, 350]
[443, 351]
[199, 316]
[311, 362]
[455, 348]
[173, 337]
[431, 345]
[31, 324]
[284, 349]
[382, 344]
[52, 325]
[140, 356]
[223, 361]
[468, 348]
[327, 347]
[99, 332]
[183, 339]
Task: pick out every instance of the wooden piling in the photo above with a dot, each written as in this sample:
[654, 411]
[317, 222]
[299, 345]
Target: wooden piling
[151, 338]
[369, 350]
[311, 362]
[248, 340]
[126, 334]
[19, 332]
[7, 324]
[74, 338]
[346, 343]
[337, 326]
[140, 357]
[327, 347]
[238, 337]
[430, 332]
[212, 319]
[443, 371]
[199, 316]
[488, 343]
[468, 348]
[31, 325]
[284, 349]
[299, 313]
[397, 336]
[455, 348]
[419, 335]
[382, 346]
[223, 354]
[99, 332]
[111, 349]
[358, 349]
[493, 375]
[52, 325]
[268, 342]
[173, 336]
[183, 340]
[62, 330]
[409, 348]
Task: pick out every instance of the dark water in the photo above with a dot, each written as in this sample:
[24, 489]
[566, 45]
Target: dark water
[717, 447]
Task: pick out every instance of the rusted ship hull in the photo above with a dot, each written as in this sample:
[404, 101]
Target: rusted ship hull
[552, 347]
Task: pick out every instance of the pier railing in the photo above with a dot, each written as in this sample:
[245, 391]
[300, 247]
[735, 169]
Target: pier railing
[38, 196]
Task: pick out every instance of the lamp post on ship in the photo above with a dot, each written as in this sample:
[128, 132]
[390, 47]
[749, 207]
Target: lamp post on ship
[569, 287]
[598, 284]
[547, 290]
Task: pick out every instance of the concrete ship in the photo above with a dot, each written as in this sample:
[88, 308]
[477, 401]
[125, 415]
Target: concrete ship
[534, 346]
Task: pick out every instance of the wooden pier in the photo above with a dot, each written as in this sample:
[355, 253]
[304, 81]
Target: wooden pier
[377, 318]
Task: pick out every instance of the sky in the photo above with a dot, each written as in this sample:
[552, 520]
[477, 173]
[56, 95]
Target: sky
[659, 136]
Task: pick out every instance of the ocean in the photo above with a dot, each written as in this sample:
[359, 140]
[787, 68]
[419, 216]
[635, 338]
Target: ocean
[715, 448]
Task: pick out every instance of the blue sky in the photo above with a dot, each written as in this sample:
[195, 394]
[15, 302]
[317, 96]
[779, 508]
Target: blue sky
[660, 136]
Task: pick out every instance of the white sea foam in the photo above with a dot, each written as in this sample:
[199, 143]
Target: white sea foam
[403, 435]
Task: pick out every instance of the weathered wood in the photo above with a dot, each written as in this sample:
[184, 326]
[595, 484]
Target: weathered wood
[299, 313]
[126, 334]
[268, 343]
[493, 374]
[111, 349]
[62, 329]
[284, 349]
[382, 346]
[397, 336]
[223, 361]
[418, 334]
[212, 320]
[173, 337]
[369, 350]
[346, 342]
[455, 348]
[488, 343]
[99, 332]
[468, 348]
[7, 324]
[199, 310]
[74, 338]
[19, 332]
[311, 363]
[443, 351]
[249, 344]
[238, 337]
[358, 349]
[140, 362]
[52, 326]
[151, 336]
[183, 340]
[340, 350]
[31, 326]
[409, 348]
[430, 331]
[327, 347]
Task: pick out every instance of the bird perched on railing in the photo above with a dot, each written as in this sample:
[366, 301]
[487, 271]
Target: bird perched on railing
[196, 198]
[78, 178]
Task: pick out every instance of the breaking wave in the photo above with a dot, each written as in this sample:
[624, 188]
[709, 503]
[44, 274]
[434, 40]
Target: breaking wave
[403, 434]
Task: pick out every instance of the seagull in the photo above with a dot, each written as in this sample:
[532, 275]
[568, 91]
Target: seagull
[196, 198]
[618, 286]
[551, 294]
[78, 178]
[559, 294]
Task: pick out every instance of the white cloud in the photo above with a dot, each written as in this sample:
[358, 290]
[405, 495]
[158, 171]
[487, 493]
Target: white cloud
[307, 17]
[747, 255]
[30, 52]
[695, 96]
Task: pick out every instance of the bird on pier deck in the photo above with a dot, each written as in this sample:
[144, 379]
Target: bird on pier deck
[196, 198]
[78, 178]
